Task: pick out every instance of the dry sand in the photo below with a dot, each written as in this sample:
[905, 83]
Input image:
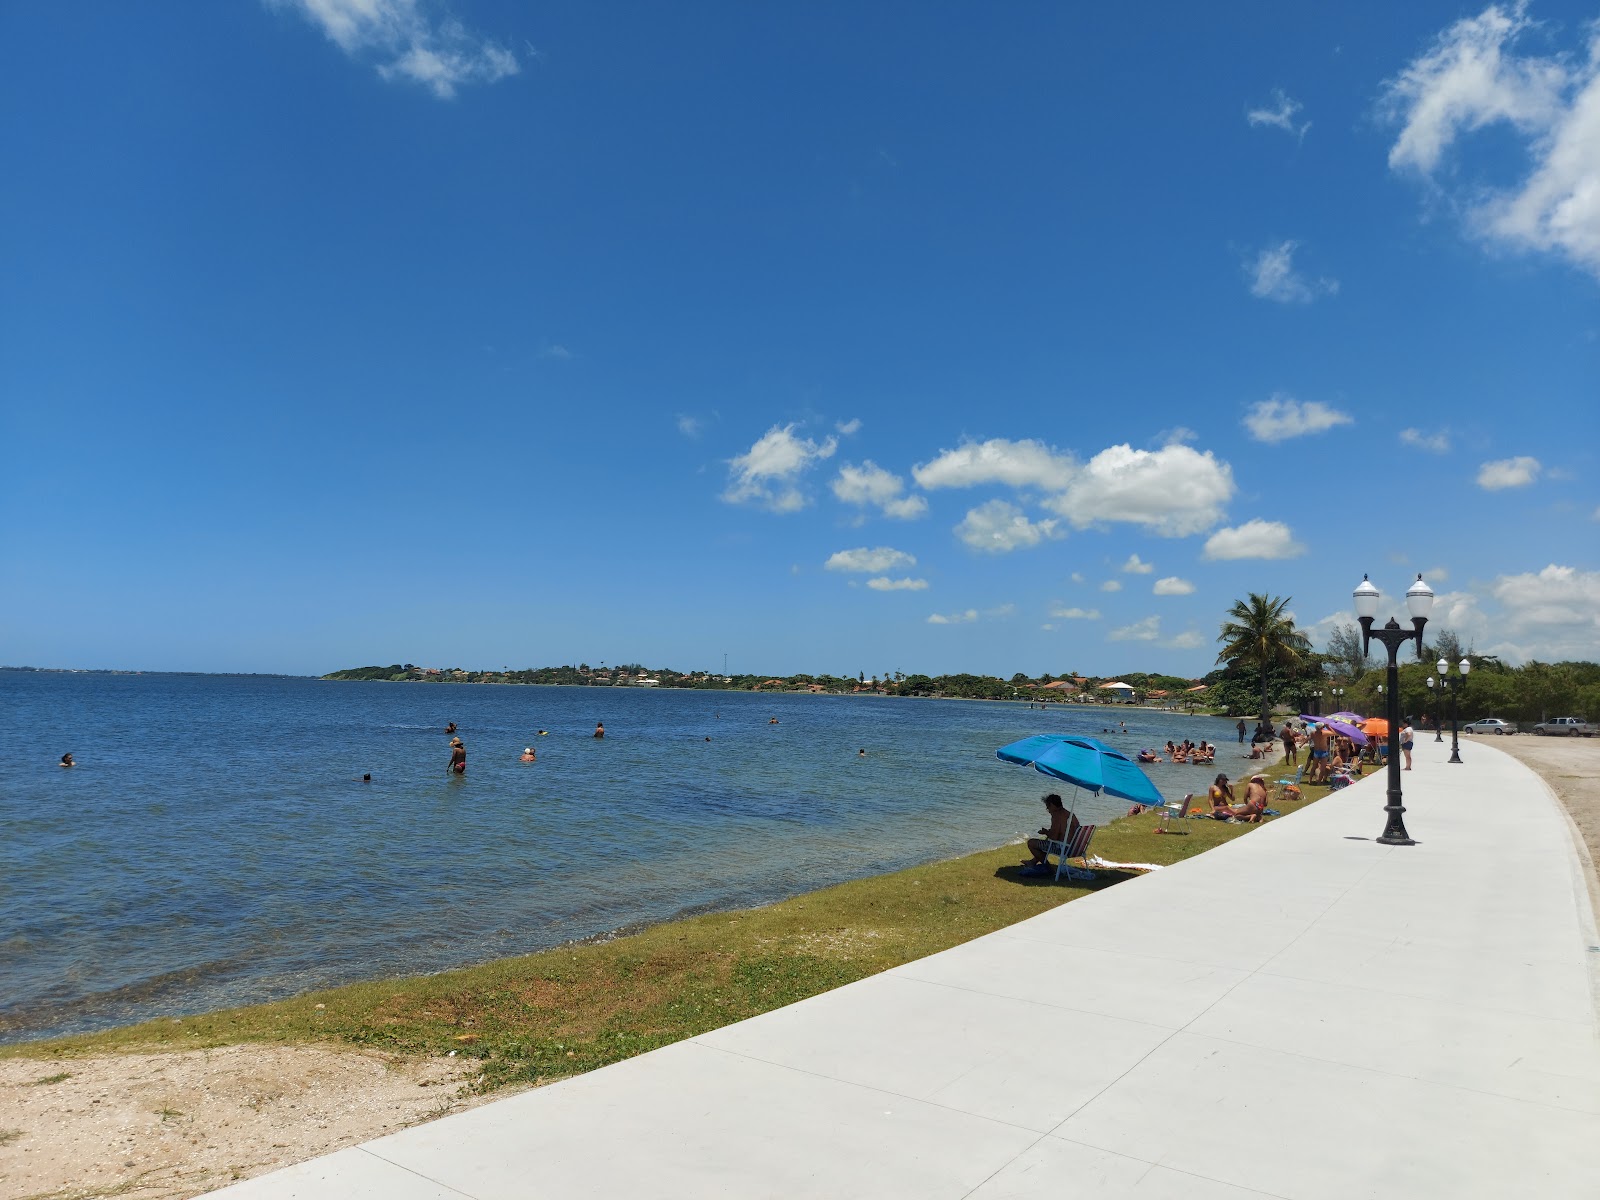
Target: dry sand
[178, 1124]
[181, 1123]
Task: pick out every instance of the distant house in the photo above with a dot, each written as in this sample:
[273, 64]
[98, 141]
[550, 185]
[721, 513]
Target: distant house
[1060, 685]
[1197, 688]
[1157, 695]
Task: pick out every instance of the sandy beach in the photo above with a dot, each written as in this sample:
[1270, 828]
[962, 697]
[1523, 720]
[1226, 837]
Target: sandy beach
[178, 1124]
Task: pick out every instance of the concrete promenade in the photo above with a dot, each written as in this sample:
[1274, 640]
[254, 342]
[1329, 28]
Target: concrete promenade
[1299, 1013]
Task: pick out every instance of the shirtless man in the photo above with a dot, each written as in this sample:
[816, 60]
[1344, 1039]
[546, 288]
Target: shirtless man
[599, 729]
[1321, 743]
[1059, 830]
[1291, 748]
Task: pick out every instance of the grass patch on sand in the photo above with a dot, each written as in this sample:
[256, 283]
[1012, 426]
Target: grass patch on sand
[539, 1017]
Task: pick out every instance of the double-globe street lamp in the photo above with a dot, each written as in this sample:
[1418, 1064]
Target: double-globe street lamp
[1464, 666]
[1438, 713]
[1419, 602]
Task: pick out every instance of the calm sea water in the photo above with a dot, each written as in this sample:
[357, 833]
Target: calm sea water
[214, 846]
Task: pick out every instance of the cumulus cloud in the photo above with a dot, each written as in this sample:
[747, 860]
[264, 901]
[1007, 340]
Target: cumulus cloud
[1273, 277]
[1551, 615]
[1508, 473]
[1471, 78]
[1189, 639]
[1433, 443]
[1076, 614]
[1280, 115]
[689, 426]
[1018, 464]
[873, 561]
[1254, 539]
[410, 40]
[1175, 491]
[870, 484]
[768, 473]
[1147, 630]
[1137, 566]
[849, 427]
[1172, 586]
[955, 618]
[1111, 585]
[883, 583]
[1284, 417]
[998, 527]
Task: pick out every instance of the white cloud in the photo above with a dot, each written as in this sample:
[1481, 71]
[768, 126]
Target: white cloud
[1472, 78]
[689, 426]
[1176, 491]
[956, 618]
[1047, 627]
[1172, 586]
[1111, 585]
[871, 484]
[1188, 640]
[1508, 473]
[998, 527]
[1076, 614]
[1284, 417]
[1280, 116]
[874, 561]
[1018, 464]
[1137, 566]
[1254, 539]
[410, 43]
[1000, 611]
[768, 473]
[1273, 277]
[556, 351]
[849, 427]
[1077, 576]
[883, 583]
[1552, 615]
[1433, 443]
[1436, 574]
[1147, 630]
[1596, 515]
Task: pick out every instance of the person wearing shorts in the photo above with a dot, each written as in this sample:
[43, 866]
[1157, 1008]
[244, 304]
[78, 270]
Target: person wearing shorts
[1407, 737]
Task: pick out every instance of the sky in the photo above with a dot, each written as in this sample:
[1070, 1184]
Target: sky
[824, 337]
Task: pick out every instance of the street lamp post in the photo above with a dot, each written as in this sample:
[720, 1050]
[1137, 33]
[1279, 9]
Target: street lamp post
[1438, 713]
[1419, 602]
[1464, 666]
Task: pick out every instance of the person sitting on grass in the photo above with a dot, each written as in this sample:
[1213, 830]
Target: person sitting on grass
[1221, 795]
[1255, 802]
[1061, 828]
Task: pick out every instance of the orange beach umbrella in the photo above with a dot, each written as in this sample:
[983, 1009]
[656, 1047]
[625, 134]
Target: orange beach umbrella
[1375, 727]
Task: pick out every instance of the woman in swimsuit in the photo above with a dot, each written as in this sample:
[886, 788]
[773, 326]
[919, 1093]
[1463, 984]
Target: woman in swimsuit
[458, 756]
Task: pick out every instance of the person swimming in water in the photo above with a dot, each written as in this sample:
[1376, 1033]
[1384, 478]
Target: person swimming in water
[66, 760]
[544, 733]
[599, 729]
[458, 756]
[528, 755]
[450, 728]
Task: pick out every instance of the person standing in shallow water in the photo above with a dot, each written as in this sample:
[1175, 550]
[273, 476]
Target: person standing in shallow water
[599, 729]
[1240, 728]
[458, 756]
[66, 760]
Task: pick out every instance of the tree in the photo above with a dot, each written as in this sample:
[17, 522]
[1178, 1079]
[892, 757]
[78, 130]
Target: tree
[1259, 637]
[1344, 648]
[1446, 645]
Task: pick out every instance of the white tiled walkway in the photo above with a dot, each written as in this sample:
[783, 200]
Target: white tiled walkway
[1300, 1013]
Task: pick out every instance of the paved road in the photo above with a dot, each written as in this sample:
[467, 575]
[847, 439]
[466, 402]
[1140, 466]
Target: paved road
[1300, 1013]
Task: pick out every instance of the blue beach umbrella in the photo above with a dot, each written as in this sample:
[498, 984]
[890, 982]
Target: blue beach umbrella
[1084, 762]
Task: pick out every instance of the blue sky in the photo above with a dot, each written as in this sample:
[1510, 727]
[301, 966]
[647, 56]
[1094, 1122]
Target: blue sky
[926, 337]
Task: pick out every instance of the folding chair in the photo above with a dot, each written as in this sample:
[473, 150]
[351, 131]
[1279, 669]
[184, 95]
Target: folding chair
[1175, 811]
[1076, 846]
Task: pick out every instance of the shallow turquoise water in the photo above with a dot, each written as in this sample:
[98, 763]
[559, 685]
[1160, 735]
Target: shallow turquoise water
[214, 846]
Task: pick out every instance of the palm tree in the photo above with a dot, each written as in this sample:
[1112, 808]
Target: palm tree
[1258, 635]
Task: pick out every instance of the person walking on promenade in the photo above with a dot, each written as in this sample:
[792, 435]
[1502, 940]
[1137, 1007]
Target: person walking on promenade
[458, 756]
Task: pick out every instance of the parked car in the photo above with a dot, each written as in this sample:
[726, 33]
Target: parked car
[1489, 725]
[1564, 727]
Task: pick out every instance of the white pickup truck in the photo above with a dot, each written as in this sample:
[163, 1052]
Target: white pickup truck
[1564, 727]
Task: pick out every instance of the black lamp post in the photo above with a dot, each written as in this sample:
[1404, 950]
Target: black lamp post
[1419, 602]
[1464, 666]
[1438, 713]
